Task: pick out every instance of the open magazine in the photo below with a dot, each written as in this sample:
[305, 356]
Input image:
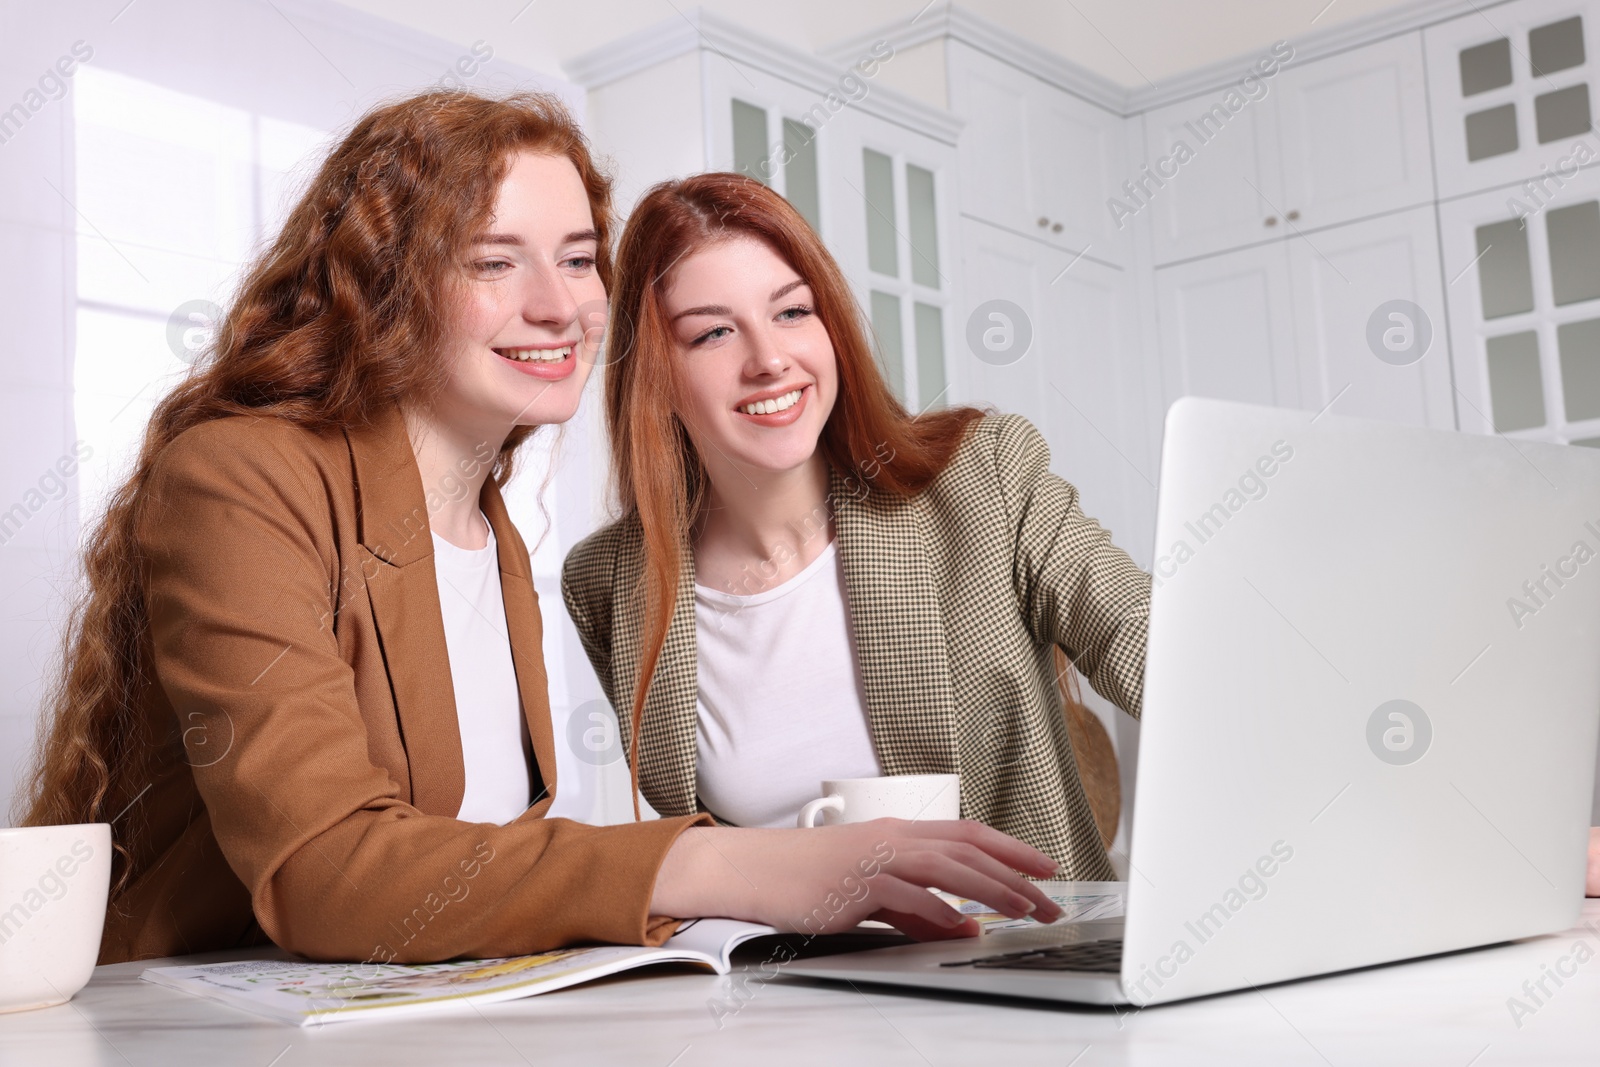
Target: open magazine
[306, 994]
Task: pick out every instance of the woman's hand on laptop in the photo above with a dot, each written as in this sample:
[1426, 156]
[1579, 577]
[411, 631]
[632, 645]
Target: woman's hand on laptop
[828, 879]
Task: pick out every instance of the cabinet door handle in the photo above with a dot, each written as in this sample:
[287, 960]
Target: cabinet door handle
[1043, 222]
[1293, 215]
[1272, 220]
[1055, 228]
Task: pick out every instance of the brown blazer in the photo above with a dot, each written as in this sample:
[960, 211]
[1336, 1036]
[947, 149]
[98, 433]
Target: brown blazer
[309, 766]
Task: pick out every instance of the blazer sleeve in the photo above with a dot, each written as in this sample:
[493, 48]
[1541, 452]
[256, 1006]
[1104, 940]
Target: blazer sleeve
[239, 555]
[586, 588]
[1074, 587]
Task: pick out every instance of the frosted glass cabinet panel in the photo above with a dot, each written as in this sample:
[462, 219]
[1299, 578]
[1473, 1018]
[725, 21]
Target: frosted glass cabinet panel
[1556, 46]
[1491, 132]
[783, 156]
[1562, 113]
[1505, 274]
[1574, 233]
[1579, 344]
[888, 343]
[801, 182]
[758, 125]
[923, 211]
[1512, 90]
[893, 240]
[878, 204]
[1486, 66]
[932, 378]
[876, 191]
[1526, 329]
[750, 147]
[1516, 383]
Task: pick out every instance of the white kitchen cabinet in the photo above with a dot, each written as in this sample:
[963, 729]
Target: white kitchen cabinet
[1227, 327]
[1319, 144]
[998, 265]
[893, 230]
[1512, 93]
[1210, 180]
[1341, 278]
[994, 144]
[777, 106]
[1525, 312]
[1353, 133]
[1035, 159]
[1097, 394]
[871, 170]
[1079, 380]
[1287, 323]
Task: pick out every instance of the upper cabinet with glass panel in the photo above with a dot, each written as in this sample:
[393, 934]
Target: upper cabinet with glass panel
[788, 164]
[1538, 283]
[1525, 311]
[873, 174]
[908, 293]
[1512, 93]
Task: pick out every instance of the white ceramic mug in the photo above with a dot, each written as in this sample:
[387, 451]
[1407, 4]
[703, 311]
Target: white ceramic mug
[900, 796]
[53, 884]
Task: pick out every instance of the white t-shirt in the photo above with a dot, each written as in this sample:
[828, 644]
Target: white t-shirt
[780, 705]
[494, 742]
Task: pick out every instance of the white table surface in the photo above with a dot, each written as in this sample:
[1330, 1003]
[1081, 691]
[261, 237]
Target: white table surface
[1451, 1010]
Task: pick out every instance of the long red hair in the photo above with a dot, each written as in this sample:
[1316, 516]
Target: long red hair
[659, 477]
[348, 309]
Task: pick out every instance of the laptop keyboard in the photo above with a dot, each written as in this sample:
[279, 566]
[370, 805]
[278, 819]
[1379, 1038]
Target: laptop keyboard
[1103, 955]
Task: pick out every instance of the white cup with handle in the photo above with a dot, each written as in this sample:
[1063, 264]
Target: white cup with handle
[53, 885]
[899, 796]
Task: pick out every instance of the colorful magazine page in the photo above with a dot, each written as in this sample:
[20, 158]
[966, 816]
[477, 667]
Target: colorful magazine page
[306, 993]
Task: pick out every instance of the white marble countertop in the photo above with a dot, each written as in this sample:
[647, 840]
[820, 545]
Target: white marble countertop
[1451, 1010]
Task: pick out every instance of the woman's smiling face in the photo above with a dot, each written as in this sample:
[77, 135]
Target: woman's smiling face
[532, 301]
[756, 362]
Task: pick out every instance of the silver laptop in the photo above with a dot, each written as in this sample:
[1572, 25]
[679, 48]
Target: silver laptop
[1370, 709]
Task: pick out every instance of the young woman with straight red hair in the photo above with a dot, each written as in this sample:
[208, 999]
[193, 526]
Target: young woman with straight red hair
[305, 684]
[809, 583]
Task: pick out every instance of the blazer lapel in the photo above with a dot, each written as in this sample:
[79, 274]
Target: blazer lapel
[900, 639]
[526, 629]
[898, 620]
[401, 584]
[669, 751]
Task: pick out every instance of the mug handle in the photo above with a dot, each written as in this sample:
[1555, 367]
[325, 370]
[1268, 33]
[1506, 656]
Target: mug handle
[809, 813]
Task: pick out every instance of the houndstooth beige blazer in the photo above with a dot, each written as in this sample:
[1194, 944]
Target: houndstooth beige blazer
[956, 596]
